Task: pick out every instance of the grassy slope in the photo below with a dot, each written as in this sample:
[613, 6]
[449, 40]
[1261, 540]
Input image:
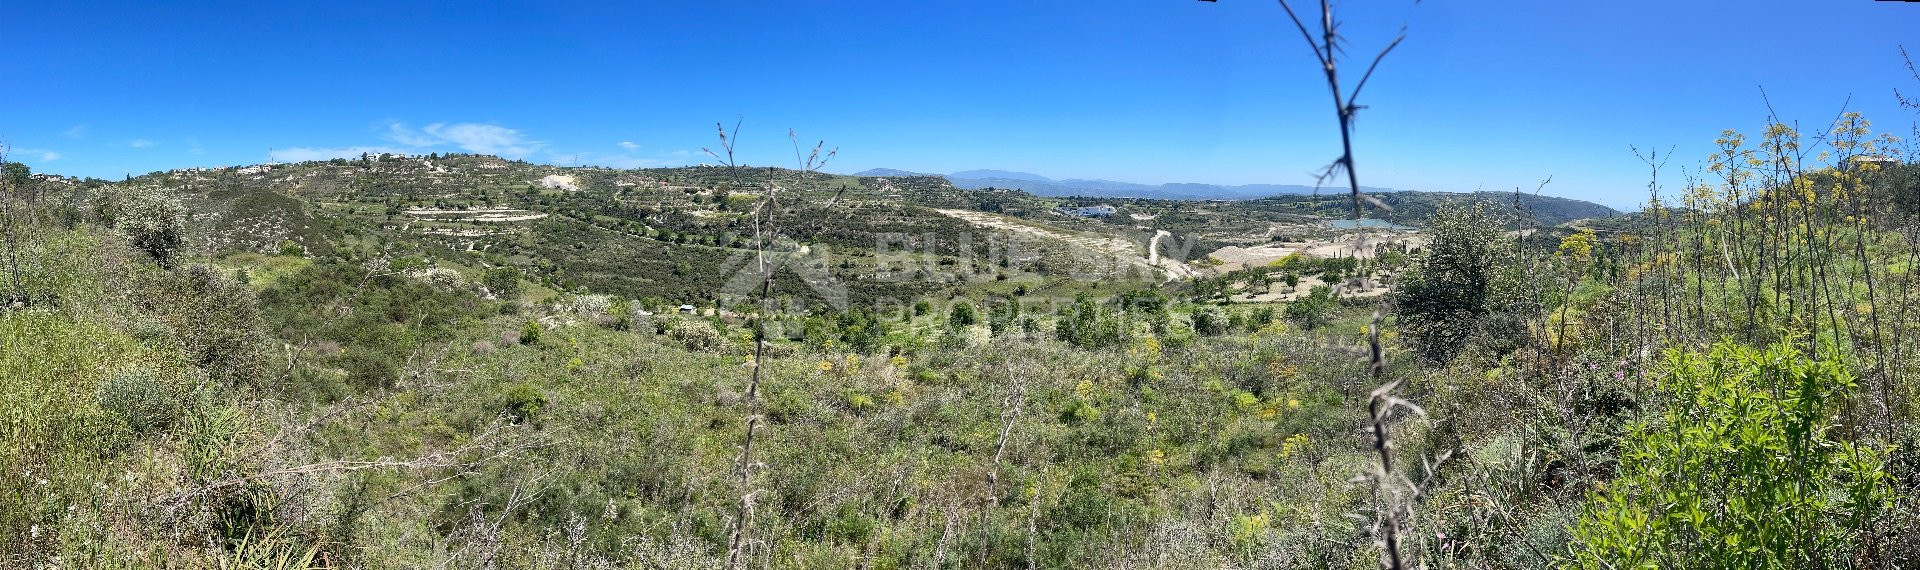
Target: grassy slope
[634, 434]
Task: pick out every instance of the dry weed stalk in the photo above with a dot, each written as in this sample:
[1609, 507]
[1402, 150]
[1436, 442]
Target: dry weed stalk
[485, 447]
[485, 536]
[1010, 408]
[764, 232]
[17, 294]
[1326, 50]
[1394, 496]
[1897, 95]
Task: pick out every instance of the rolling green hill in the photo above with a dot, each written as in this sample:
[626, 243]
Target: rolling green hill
[463, 361]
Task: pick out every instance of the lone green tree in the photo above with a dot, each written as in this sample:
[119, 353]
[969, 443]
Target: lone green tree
[154, 222]
[1314, 310]
[963, 315]
[503, 282]
[1463, 288]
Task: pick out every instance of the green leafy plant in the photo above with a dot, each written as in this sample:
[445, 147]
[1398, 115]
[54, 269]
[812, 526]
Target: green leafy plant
[963, 315]
[1314, 310]
[1743, 470]
[1209, 321]
[502, 282]
[530, 334]
[522, 402]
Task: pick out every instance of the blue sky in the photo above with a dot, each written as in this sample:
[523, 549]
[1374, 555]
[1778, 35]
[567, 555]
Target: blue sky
[1483, 94]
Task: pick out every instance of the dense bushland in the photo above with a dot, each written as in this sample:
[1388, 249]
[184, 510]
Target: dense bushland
[1724, 382]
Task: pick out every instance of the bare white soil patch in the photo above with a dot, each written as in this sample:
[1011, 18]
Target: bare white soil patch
[1364, 245]
[1120, 249]
[560, 181]
[1234, 257]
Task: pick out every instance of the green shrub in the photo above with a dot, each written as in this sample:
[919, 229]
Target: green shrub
[368, 369]
[1741, 471]
[140, 399]
[695, 335]
[155, 222]
[1314, 310]
[962, 315]
[1465, 287]
[502, 282]
[621, 314]
[1209, 321]
[1086, 324]
[1079, 411]
[150, 331]
[530, 334]
[1083, 505]
[1003, 317]
[787, 406]
[522, 401]
[849, 526]
[216, 320]
[1260, 317]
[858, 401]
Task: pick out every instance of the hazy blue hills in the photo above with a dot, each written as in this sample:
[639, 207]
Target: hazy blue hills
[889, 172]
[998, 175]
[1043, 186]
[1410, 206]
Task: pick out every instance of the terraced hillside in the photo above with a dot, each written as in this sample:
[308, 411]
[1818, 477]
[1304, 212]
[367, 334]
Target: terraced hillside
[669, 235]
[678, 235]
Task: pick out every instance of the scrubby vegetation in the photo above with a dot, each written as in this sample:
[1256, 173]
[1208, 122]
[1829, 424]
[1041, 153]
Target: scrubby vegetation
[1721, 385]
[467, 362]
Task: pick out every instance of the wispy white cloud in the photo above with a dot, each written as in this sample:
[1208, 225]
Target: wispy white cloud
[629, 145]
[485, 139]
[141, 143]
[303, 154]
[33, 154]
[403, 134]
[77, 132]
[471, 137]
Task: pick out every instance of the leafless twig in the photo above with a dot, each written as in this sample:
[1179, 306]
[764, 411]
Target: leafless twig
[1326, 50]
[764, 232]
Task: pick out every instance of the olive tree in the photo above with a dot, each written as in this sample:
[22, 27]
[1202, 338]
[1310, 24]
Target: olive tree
[154, 221]
[1465, 287]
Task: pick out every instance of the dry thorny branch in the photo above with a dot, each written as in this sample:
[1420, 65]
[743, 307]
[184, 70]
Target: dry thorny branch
[1904, 101]
[1394, 495]
[493, 444]
[17, 294]
[1327, 49]
[765, 232]
[1010, 408]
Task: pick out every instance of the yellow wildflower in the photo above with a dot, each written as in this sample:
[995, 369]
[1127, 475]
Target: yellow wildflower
[1294, 444]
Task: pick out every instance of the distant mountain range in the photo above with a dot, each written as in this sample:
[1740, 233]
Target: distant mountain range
[1044, 186]
[889, 172]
